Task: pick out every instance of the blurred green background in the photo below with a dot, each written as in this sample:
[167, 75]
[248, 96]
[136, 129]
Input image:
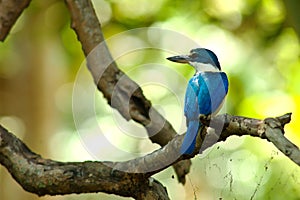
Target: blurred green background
[257, 42]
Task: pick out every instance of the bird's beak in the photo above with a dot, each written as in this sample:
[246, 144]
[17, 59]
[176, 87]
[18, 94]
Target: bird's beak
[179, 59]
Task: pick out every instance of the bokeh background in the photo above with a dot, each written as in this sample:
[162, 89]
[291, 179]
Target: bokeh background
[257, 42]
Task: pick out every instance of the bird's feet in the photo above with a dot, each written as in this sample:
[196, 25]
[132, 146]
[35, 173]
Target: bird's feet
[205, 119]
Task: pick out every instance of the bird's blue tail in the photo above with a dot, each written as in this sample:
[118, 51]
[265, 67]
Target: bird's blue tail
[189, 141]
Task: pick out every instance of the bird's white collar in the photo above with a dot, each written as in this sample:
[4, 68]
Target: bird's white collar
[202, 67]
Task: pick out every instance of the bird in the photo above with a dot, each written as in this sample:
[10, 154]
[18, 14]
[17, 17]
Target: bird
[205, 92]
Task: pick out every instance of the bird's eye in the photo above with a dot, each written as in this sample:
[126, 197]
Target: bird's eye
[193, 55]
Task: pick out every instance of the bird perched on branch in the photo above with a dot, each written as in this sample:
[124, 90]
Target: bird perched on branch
[205, 92]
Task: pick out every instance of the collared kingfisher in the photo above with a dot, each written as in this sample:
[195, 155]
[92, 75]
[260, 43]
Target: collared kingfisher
[205, 92]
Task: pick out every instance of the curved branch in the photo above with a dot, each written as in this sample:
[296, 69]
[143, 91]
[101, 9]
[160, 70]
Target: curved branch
[106, 73]
[271, 129]
[225, 126]
[274, 133]
[10, 10]
[43, 176]
[131, 178]
[116, 86]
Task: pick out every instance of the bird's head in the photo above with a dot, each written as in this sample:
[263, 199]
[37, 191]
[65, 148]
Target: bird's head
[201, 59]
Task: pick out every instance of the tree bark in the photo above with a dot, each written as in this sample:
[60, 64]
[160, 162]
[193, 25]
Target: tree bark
[10, 10]
[106, 75]
[130, 178]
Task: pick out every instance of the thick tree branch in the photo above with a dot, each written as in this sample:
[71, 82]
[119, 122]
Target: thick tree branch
[10, 10]
[43, 176]
[224, 126]
[116, 86]
[131, 178]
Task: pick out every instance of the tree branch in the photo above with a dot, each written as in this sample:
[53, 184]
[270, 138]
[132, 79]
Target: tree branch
[274, 133]
[131, 178]
[10, 10]
[271, 129]
[225, 126]
[116, 86]
[43, 176]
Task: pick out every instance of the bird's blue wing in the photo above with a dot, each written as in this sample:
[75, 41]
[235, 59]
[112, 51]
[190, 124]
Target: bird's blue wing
[204, 94]
[214, 87]
[191, 112]
[191, 99]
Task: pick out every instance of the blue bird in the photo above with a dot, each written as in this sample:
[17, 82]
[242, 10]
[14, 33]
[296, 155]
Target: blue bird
[205, 92]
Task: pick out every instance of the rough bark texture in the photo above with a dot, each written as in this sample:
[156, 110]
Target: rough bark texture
[116, 86]
[44, 176]
[10, 10]
[130, 178]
